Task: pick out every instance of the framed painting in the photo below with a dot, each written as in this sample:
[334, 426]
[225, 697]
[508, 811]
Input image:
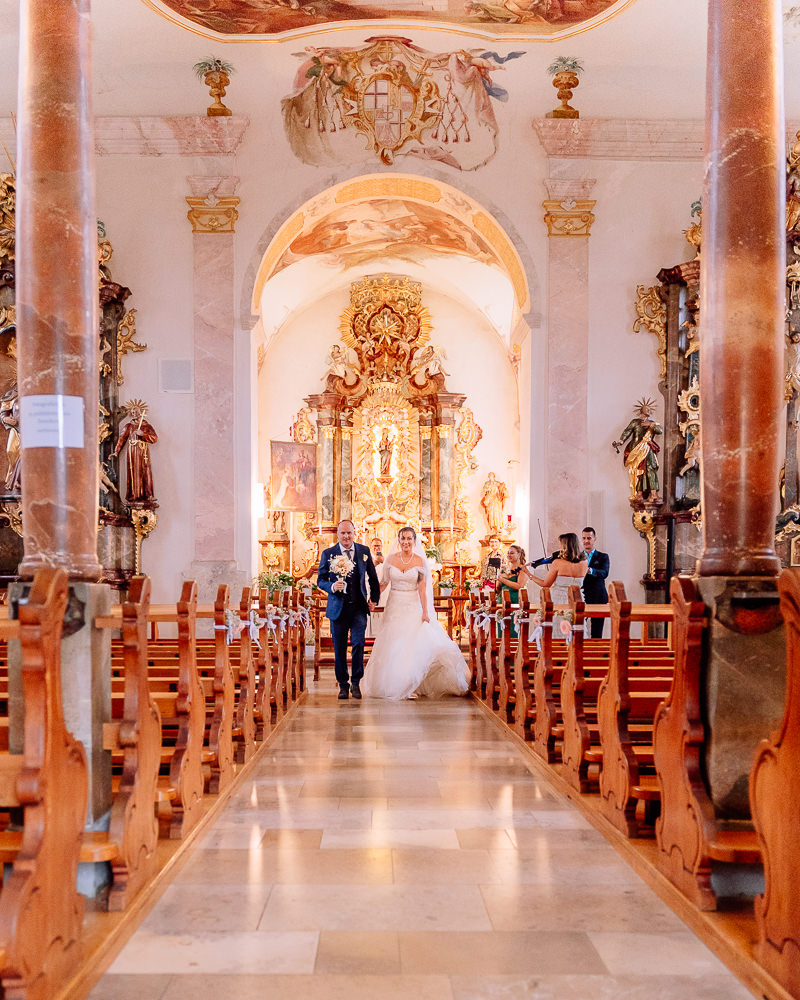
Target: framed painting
[293, 476]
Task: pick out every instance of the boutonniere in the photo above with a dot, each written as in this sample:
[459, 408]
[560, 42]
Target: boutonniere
[364, 557]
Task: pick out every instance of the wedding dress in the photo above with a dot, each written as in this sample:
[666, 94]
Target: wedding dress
[411, 656]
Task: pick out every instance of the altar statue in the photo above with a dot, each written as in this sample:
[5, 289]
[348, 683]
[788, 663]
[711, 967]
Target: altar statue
[139, 435]
[493, 499]
[385, 449]
[428, 361]
[9, 418]
[342, 364]
[641, 451]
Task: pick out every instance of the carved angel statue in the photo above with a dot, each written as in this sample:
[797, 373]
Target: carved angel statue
[428, 361]
[342, 362]
[641, 450]
[138, 434]
[9, 419]
[493, 498]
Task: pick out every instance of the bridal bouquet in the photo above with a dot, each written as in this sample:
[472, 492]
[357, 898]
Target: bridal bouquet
[342, 566]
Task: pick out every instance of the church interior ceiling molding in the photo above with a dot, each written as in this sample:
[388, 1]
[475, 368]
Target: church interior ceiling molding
[392, 220]
[262, 20]
[393, 98]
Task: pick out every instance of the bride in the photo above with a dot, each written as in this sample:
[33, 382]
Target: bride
[412, 654]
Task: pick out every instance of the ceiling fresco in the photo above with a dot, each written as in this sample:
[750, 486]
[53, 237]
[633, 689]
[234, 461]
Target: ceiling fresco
[511, 19]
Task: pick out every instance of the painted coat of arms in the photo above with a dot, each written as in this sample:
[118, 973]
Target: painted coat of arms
[392, 98]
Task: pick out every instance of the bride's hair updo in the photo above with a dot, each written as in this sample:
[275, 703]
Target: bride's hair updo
[408, 529]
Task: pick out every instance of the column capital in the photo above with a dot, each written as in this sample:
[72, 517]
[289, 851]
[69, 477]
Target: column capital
[570, 217]
[213, 206]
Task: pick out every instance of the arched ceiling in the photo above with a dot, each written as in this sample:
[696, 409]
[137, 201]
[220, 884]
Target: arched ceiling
[253, 20]
[400, 224]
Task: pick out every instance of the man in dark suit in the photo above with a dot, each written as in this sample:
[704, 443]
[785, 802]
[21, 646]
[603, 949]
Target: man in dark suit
[594, 583]
[350, 600]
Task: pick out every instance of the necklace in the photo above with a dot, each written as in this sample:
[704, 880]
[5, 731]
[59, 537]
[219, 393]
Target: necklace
[406, 562]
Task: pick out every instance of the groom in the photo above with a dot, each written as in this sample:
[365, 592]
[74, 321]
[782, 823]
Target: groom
[349, 602]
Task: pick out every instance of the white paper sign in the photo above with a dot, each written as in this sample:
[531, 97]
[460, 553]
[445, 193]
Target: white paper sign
[51, 421]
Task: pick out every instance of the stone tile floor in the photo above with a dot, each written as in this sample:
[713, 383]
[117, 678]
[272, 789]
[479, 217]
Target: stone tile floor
[405, 852]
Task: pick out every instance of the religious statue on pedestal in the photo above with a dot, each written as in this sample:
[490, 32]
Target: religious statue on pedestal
[493, 499]
[9, 419]
[139, 435]
[385, 449]
[641, 450]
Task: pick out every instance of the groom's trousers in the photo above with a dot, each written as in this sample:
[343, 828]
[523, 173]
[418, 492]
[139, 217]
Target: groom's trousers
[351, 624]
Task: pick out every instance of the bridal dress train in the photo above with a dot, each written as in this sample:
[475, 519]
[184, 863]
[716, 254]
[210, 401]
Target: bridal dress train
[412, 657]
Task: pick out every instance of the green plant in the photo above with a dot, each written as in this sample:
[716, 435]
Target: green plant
[447, 580]
[433, 552]
[212, 65]
[565, 64]
[269, 581]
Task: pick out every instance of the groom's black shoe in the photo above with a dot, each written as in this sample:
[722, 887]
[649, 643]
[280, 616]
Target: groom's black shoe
[344, 693]
[356, 691]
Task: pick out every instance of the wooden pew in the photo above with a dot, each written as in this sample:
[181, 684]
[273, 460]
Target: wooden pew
[506, 701]
[622, 785]
[524, 664]
[491, 672]
[41, 912]
[244, 722]
[576, 738]
[775, 804]
[261, 710]
[133, 828]
[473, 641]
[220, 738]
[688, 835]
[186, 766]
[547, 728]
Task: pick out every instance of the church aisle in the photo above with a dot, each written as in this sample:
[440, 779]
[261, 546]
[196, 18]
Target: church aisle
[405, 852]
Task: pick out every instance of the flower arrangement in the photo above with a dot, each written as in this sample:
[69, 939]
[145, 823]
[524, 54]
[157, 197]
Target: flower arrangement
[446, 583]
[270, 581]
[342, 566]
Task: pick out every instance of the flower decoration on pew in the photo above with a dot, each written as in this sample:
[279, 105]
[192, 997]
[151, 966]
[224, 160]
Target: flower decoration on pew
[272, 581]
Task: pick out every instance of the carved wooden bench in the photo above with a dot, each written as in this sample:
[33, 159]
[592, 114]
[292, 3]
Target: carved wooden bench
[41, 912]
[688, 834]
[775, 805]
[622, 781]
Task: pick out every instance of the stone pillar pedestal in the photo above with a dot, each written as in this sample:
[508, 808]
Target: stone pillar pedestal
[569, 218]
[86, 691]
[745, 682]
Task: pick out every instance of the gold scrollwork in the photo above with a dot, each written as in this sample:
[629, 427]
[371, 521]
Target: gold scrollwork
[144, 521]
[468, 434]
[689, 404]
[126, 331]
[568, 218]
[11, 515]
[651, 313]
[8, 316]
[212, 214]
[270, 556]
[302, 428]
[645, 524]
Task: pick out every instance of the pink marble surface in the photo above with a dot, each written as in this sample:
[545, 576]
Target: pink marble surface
[567, 378]
[214, 500]
[56, 287]
[213, 186]
[626, 138]
[159, 135]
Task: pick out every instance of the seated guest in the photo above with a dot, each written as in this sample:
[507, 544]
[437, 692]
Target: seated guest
[514, 579]
[494, 563]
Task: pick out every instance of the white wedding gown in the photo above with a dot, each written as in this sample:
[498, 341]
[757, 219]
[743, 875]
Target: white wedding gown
[412, 657]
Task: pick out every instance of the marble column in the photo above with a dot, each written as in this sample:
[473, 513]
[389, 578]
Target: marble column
[743, 266]
[57, 290]
[425, 511]
[741, 378]
[569, 218]
[213, 214]
[345, 467]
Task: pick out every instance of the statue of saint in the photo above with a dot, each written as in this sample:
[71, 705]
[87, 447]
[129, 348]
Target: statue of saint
[493, 499]
[9, 418]
[641, 451]
[139, 435]
[385, 449]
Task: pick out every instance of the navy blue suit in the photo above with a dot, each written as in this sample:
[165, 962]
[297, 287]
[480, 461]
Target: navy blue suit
[348, 611]
[594, 587]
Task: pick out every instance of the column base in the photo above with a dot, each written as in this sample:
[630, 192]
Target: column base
[745, 682]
